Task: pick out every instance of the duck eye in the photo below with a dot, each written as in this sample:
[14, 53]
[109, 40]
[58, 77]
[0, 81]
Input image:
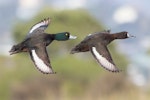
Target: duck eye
[66, 34]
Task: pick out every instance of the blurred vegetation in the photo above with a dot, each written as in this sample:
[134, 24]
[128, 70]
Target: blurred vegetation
[78, 76]
[148, 51]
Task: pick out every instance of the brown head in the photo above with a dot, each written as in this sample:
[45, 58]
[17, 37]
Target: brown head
[122, 35]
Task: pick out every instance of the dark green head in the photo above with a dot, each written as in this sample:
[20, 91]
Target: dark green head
[64, 36]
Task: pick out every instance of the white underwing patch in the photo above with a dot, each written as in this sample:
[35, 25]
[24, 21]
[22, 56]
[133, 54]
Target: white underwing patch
[43, 23]
[103, 61]
[40, 64]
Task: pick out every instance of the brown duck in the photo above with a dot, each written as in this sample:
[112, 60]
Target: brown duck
[97, 44]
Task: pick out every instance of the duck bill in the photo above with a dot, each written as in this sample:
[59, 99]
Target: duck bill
[132, 36]
[72, 37]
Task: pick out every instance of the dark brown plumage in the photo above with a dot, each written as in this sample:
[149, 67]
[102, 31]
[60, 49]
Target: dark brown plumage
[97, 44]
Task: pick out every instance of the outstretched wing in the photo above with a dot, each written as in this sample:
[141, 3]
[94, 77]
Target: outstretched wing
[41, 60]
[103, 57]
[42, 25]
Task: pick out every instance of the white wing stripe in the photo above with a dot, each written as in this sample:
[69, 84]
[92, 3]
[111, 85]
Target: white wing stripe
[103, 61]
[40, 64]
[42, 23]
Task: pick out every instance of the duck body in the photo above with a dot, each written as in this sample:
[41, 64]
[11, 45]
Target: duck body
[92, 40]
[32, 41]
[36, 42]
[97, 44]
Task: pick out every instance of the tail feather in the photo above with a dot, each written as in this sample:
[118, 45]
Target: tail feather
[17, 49]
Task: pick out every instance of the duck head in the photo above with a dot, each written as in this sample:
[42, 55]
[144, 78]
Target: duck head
[64, 36]
[123, 35]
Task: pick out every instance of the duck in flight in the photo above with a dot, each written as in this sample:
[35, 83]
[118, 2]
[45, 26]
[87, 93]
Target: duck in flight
[36, 42]
[97, 44]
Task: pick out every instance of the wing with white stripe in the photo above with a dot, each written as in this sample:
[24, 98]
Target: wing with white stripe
[103, 57]
[41, 60]
[42, 25]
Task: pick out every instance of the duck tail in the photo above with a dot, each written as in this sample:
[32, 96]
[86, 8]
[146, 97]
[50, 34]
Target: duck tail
[15, 49]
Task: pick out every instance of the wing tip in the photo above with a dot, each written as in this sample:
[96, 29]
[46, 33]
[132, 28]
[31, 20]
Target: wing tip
[44, 23]
[110, 66]
[47, 72]
[114, 71]
[43, 67]
[46, 20]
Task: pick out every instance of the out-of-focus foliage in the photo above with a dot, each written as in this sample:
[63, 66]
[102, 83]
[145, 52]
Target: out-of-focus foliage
[78, 75]
[148, 51]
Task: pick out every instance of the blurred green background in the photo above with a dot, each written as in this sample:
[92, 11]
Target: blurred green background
[79, 77]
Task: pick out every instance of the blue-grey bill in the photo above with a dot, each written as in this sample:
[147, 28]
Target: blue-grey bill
[72, 37]
[129, 35]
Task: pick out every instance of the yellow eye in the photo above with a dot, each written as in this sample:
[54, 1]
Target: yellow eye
[66, 34]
